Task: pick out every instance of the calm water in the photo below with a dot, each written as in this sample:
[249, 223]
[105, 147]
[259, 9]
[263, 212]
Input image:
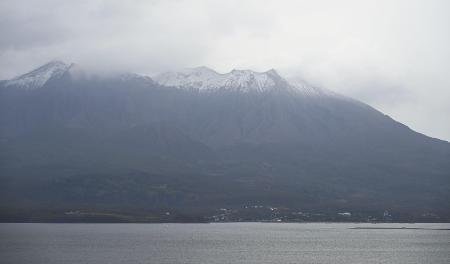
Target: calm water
[222, 243]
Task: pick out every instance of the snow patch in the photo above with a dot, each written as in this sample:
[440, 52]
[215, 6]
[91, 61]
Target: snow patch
[37, 78]
[204, 79]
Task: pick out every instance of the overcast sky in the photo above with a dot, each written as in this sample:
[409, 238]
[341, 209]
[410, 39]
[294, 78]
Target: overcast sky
[393, 55]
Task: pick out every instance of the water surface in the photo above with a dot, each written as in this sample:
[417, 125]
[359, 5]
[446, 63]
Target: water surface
[223, 243]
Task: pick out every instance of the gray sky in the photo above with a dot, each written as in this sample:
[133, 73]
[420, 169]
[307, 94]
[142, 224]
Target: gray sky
[391, 54]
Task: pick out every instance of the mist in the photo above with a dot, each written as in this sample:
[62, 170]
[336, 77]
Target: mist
[393, 55]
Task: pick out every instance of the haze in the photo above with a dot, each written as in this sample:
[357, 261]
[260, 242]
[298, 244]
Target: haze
[393, 55]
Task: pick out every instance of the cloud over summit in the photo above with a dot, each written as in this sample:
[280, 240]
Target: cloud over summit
[393, 55]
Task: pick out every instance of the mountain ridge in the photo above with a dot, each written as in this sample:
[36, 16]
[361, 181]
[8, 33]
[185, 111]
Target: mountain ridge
[39, 76]
[200, 78]
[125, 141]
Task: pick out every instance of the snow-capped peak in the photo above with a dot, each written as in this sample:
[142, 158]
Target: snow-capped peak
[38, 77]
[205, 79]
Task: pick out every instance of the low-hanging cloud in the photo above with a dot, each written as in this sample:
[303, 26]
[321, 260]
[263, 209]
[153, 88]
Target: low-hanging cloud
[392, 54]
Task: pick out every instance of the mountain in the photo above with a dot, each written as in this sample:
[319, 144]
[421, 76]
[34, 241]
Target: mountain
[196, 141]
[206, 80]
[38, 77]
[203, 79]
